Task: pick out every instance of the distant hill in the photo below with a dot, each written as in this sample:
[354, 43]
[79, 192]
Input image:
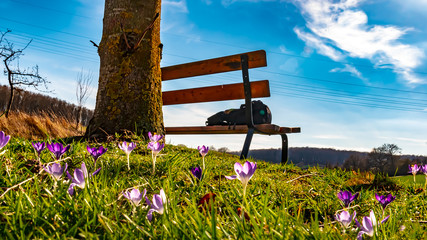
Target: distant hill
[39, 104]
[305, 156]
[322, 157]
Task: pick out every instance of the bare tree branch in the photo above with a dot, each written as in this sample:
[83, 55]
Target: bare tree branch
[15, 75]
[83, 91]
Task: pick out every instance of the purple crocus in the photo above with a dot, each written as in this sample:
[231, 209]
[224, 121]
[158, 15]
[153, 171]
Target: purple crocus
[57, 149]
[155, 137]
[39, 147]
[127, 148]
[135, 196]
[157, 205]
[244, 173]
[369, 225]
[4, 139]
[55, 170]
[414, 169]
[347, 197]
[385, 200]
[79, 179]
[423, 169]
[155, 147]
[96, 152]
[197, 172]
[345, 218]
[203, 150]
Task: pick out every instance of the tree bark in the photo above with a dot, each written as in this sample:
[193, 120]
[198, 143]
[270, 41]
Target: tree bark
[129, 92]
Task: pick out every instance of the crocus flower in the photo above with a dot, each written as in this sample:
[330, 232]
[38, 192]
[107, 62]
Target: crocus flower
[38, 147]
[345, 218]
[127, 148]
[3, 140]
[385, 200]
[203, 150]
[424, 169]
[414, 169]
[369, 225]
[244, 173]
[55, 170]
[347, 197]
[155, 137]
[197, 172]
[58, 149]
[157, 205]
[135, 196]
[96, 152]
[155, 147]
[79, 179]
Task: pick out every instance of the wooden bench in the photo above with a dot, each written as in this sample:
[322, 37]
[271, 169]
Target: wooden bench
[246, 90]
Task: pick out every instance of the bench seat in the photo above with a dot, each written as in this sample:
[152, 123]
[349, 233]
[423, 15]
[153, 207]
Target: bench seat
[266, 129]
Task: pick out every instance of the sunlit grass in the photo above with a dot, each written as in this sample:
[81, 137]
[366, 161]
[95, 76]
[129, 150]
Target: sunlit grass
[282, 201]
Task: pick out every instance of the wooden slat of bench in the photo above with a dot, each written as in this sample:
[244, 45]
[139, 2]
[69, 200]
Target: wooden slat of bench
[238, 129]
[290, 129]
[215, 93]
[215, 65]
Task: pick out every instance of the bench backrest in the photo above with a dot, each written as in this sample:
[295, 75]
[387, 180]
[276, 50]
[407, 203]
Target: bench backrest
[211, 66]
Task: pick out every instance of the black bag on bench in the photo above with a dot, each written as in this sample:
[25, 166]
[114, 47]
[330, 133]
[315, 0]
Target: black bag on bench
[261, 114]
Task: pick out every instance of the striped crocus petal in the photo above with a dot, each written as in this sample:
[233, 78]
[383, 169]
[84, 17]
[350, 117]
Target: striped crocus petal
[154, 137]
[4, 139]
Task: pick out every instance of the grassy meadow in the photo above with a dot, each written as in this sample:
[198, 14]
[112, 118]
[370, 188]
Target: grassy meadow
[282, 201]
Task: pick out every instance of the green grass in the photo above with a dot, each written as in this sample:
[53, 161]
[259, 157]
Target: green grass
[283, 201]
[408, 180]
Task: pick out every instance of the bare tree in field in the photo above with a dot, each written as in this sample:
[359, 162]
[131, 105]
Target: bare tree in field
[384, 158]
[83, 91]
[129, 91]
[15, 75]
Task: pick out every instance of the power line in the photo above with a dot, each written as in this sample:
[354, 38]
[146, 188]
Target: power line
[350, 102]
[59, 41]
[304, 86]
[45, 28]
[52, 9]
[335, 82]
[281, 53]
[359, 98]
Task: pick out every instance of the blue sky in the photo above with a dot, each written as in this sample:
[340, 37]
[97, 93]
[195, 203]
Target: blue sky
[351, 73]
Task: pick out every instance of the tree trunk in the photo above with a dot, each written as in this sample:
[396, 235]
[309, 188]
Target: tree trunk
[129, 92]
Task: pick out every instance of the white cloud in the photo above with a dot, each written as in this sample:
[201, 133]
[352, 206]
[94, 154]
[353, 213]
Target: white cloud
[339, 137]
[315, 42]
[178, 6]
[352, 70]
[283, 49]
[341, 25]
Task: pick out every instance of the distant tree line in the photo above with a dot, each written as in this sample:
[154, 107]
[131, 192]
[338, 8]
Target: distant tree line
[383, 159]
[35, 103]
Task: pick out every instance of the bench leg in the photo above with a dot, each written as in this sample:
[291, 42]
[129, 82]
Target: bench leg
[284, 148]
[248, 140]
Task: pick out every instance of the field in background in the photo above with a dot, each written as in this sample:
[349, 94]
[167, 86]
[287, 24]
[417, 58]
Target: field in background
[409, 180]
[37, 127]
